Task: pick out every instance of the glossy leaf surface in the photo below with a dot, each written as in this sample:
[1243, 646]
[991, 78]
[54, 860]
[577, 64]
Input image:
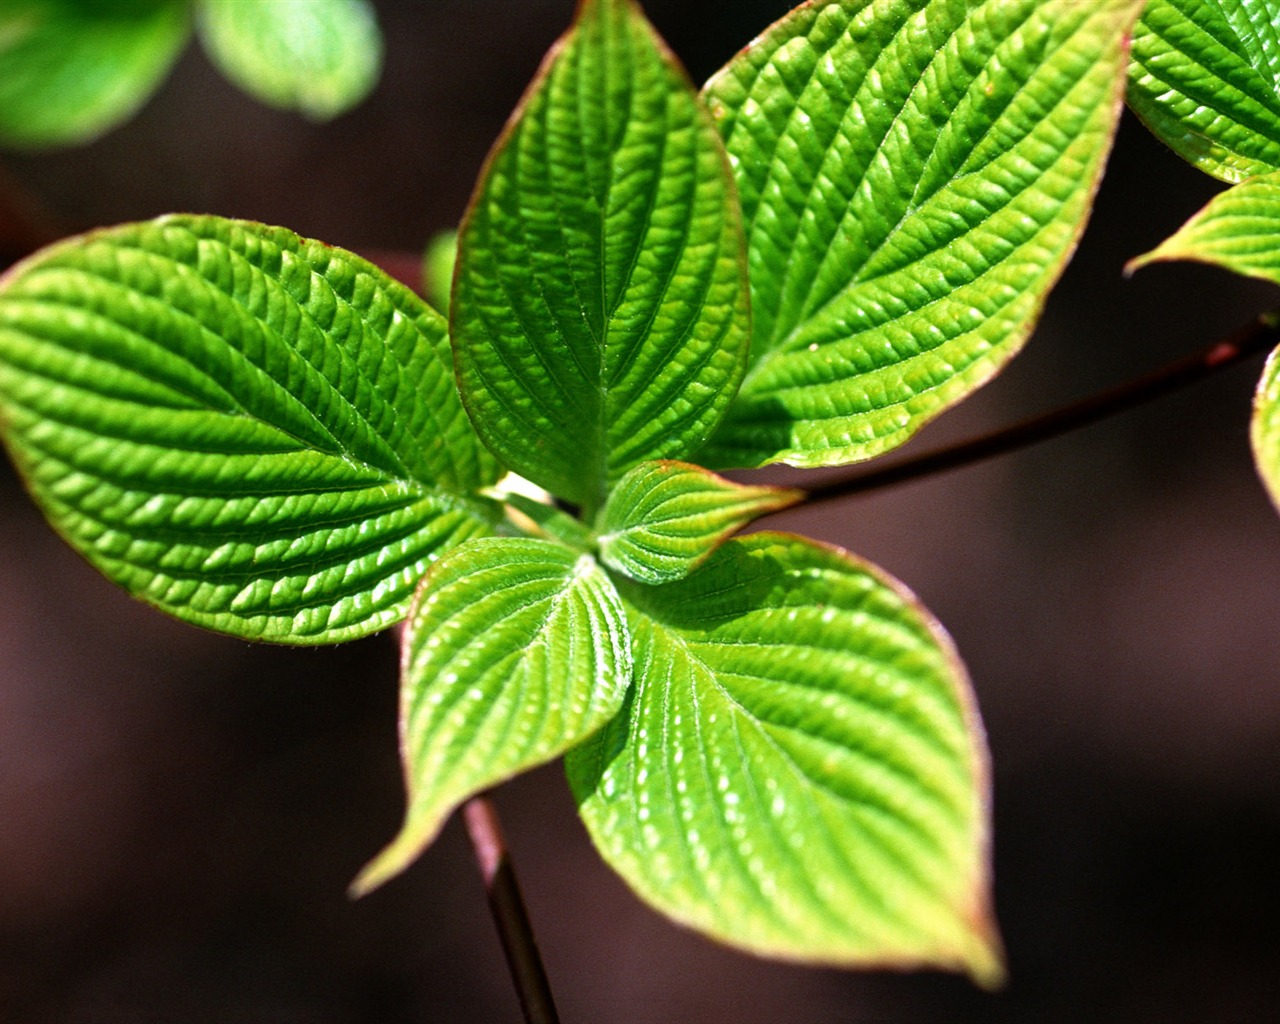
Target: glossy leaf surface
[664, 518]
[320, 57]
[914, 176]
[255, 432]
[71, 71]
[1205, 79]
[517, 650]
[599, 312]
[798, 769]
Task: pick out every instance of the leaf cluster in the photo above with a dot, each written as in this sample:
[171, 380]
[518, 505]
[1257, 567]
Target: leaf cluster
[847, 230]
[71, 70]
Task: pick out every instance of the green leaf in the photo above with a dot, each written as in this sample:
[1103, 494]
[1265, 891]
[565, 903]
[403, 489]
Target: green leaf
[257, 433]
[538, 518]
[72, 70]
[437, 268]
[1265, 427]
[664, 518]
[1205, 77]
[914, 176]
[517, 650]
[1238, 230]
[320, 57]
[600, 307]
[799, 770]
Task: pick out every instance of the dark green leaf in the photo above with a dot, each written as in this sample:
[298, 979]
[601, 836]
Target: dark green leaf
[258, 433]
[537, 517]
[600, 308]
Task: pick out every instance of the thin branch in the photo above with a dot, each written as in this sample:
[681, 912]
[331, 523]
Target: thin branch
[509, 914]
[1248, 341]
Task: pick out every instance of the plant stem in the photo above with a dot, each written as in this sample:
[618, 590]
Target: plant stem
[509, 914]
[1247, 341]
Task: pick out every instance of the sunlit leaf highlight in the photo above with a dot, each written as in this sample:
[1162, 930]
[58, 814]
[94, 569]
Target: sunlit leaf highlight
[517, 650]
[599, 311]
[664, 518]
[1205, 78]
[798, 770]
[1238, 230]
[914, 176]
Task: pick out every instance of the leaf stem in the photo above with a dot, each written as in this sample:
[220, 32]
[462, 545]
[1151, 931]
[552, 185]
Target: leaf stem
[508, 909]
[1245, 342]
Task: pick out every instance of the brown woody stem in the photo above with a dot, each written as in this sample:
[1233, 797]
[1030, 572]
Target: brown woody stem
[1252, 339]
[509, 914]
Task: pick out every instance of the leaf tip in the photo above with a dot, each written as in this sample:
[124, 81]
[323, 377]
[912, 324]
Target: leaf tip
[984, 959]
[395, 858]
[1157, 255]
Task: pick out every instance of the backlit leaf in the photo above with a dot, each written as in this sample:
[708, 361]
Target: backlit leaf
[255, 432]
[517, 650]
[1205, 78]
[664, 518]
[1265, 427]
[1238, 230]
[320, 57]
[600, 308]
[71, 71]
[914, 175]
[798, 769]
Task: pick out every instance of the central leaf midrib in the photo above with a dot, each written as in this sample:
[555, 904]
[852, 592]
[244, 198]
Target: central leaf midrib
[560, 587]
[339, 448]
[378, 475]
[807, 788]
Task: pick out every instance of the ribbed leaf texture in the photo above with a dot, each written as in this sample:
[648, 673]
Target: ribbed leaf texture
[798, 770]
[257, 433]
[914, 175]
[1205, 78]
[599, 311]
[517, 651]
[665, 518]
[320, 58]
[71, 71]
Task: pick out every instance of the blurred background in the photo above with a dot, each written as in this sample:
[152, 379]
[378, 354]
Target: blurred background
[180, 813]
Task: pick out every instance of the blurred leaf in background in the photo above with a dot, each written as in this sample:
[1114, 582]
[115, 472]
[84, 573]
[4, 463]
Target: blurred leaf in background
[72, 70]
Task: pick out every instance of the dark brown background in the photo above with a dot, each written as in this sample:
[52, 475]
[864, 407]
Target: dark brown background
[180, 813]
